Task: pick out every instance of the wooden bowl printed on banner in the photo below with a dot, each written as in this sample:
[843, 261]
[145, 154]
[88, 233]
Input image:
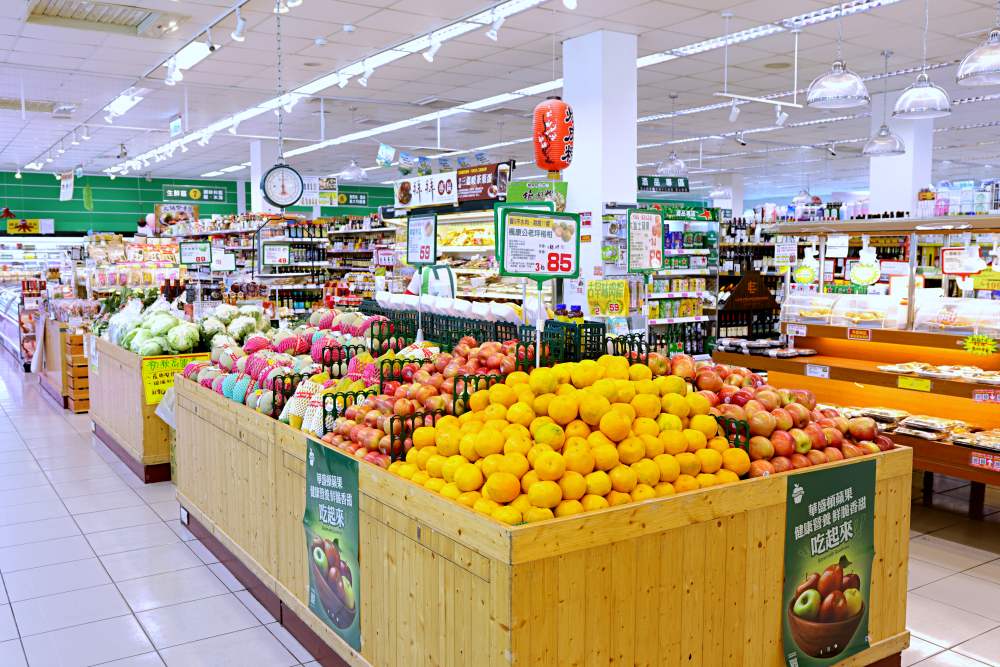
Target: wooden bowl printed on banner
[822, 640]
[335, 608]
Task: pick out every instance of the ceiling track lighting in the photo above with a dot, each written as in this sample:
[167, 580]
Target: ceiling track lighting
[840, 88]
[17, 174]
[86, 133]
[342, 82]
[780, 116]
[234, 128]
[981, 67]
[734, 112]
[112, 176]
[884, 142]
[74, 141]
[292, 4]
[363, 79]
[569, 4]
[494, 32]
[923, 99]
[61, 149]
[240, 33]
[280, 7]
[432, 51]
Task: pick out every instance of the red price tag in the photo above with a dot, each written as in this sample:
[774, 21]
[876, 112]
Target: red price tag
[559, 262]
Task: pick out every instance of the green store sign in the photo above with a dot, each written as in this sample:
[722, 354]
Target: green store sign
[662, 184]
[172, 193]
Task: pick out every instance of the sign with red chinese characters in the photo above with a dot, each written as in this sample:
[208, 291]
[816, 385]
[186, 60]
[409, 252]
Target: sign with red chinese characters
[484, 181]
[984, 460]
[432, 190]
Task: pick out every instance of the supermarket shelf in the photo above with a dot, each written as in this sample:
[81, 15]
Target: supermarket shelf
[283, 275]
[375, 230]
[238, 247]
[679, 295]
[679, 320]
[850, 370]
[474, 271]
[348, 268]
[955, 224]
[218, 232]
[946, 458]
[293, 287]
[490, 295]
[288, 239]
[457, 249]
[893, 336]
[674, 252]
[358, 251]
[684, 272]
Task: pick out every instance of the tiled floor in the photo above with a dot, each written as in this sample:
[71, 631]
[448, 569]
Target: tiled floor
[96, 567]
[98, 570]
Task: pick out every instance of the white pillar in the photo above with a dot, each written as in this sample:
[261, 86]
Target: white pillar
[241, 197]
[894, 181]
[599, 83]
[263, 156]
[734, 184]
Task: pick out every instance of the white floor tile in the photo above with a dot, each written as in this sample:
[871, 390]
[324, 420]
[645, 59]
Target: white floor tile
[46, 509]
[53, 579]
[89, 487]
[158, 493]
[23, 481]
[943, 624]
[8, 629]
[950, 659]
[53, 612]
[78, 459]
[947, 553]
[919, 650]
[18, 468]
[290, 642]
[123, 517]
[255, 646]
[15, 455]
[255, 607]
[37, 554]
[11, 654]
[181, 530]
[37, 531]
[191, 621]
[89, 644]
[23, 496]
[202, 552]
[102, 501]
[224, 575]
[131, 538]
[968, 593]
[171, 588]
[167, 509]
[147, 562]
[989, 571]
[63, 475]
[145, 660]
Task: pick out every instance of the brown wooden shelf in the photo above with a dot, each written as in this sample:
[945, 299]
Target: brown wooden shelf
[946, 458]
[890, 226]
[892, 336]
[859, 371]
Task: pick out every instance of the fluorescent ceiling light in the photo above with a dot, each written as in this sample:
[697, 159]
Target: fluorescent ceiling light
[211, 174]
[280, 7]
[569, 4]
[780, 116]
[121, 104]
[235, 167]
[86, 133]
[292, 4]
[192, 54]
[17, 174]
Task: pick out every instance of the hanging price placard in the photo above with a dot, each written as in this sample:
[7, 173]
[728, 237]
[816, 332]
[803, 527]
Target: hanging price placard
[421, 240]
[786, 251]
[539, 245]
[607, 297]
[195, 253]
[645, 241]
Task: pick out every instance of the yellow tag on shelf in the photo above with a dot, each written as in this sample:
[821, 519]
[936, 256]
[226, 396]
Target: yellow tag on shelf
[916, 384]
[158, 373]
[979, 345]
[607, 297]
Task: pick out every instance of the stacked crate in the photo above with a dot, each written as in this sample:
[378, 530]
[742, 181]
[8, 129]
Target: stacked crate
[76, 374]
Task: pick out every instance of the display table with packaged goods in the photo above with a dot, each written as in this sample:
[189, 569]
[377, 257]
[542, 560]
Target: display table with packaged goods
[694, 578]
[123, 418]
[917, 353]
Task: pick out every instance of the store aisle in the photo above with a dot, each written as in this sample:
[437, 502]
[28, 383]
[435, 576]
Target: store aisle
[97, 568]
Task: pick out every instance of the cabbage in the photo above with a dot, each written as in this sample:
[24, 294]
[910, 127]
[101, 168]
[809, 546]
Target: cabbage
[151, 347]
[183, 337]
[241, 327]
[160, 323]
[139, 337]
[225, 313]
[212, 325]
[262, 323]
[126, 340]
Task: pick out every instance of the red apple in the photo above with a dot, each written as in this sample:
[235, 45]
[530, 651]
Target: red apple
[799, 461]
[682, 365]
[741, 397]
[735, 378]
[658, 364]
[786, 396]
[769, 399]
[761, 423]
[817, 457]
[840, 423]
[825, 422]
[815, 415]
[862, 428]
[803, 443]
[833, 454]
[726, 393]
[760, 448]
[816, 435]
[721, 370]
[403, 406]
[884, 442]
[709, 380]
[783, 418]
[783, 443]
[713, 398]
[804, 397]
[869, 447]
[781, 464]
[761, 468]
[834, 438]
[851, 450]
[733, 411]
[799, 413]
[753, 406]
[830, 412]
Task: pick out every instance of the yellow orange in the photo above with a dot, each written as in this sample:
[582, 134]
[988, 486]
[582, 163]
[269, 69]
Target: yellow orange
[407, 470]
[491, 464]
[575, 443]
[689, 463]
[515, 430]
[597, 439]
[591, 502]
[615, 426]
[706, 424]
[646, 425]
[434, 465]
[434, 484]
[685, 483]
[540, 404]
[625, 391]
[549, 466]
[623, 478]
[394, 466]
[479, 400]
[607, 388]
[669, 468]
[605, 457]
[424, 455]
[516, 378]
[584, 375]
[674, 442]
[538, 422]
[706, 479]
[598, 483]
[654, 446]
[726, 476]
[507, 514]
[545, 494]
[537, 514]
[420, 477]
[485, 506]
[568, 508]
[468, 477]
[502, 487]
[647, 472]
[639, 372]
[710, 459]
[646, 405]
[515, 463]
[411, 455]
[423, 436]
[494, 411]
[520, 413]
[695, 439]
[719, 444]
[518, 444]
[551, 435]
[699, 404]
[542, 380]
[502, 394]
[593, 406]
[631, 450]
[618, 498]
[451, 465]
[447, 442]
[647, 387]
[664, 489]
[535, 451]
[736, 460]
[469, 498]
[450, 490]
[669, 422]
[528, 479]
[674, 384]
[521, 503]
[675, 404]
[577, 429]
[488, 442]
[642, 492]
[446, 422]
[579, 460]
[573, 485]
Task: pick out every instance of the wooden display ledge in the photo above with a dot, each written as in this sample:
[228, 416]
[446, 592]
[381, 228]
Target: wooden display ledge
[122, 420]
[687, 578]
[933, 456]
[891, 336]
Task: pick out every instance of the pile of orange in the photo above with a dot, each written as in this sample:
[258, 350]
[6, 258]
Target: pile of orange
[573, 438]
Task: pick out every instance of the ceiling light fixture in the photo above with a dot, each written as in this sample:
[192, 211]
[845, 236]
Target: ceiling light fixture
[432, 51]
[343, 81]
[111, 176]
[17, 174]
[240, 33]
[353, 173]
[48, 158]
[280, 7]
[86, 133]
[234, 128]
[981, 67]
[734, 112]
[363, 79]
[494, 31]
[923, 99]
[674, 166]
[123, 103]
[61, 149]
[840, 88]
[885, 142]
[569, 4]
[174, 73]
[74, 141]
[780, 116]
[292, 4]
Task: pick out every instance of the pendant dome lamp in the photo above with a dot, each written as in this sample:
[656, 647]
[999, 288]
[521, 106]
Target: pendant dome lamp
[982, 66]
[923, 99]
[885, 142]
[840, 88]
[353, 173]
[673, 165]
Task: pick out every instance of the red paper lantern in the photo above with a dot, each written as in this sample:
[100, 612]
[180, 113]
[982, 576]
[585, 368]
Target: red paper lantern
[553, 134]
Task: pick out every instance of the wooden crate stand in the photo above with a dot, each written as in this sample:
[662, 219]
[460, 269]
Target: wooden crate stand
[691, 579]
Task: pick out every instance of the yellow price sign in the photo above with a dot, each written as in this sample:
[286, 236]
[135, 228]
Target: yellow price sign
[915, 384]
[608, 297]
[22, 226]
[979, 345]
[986, 280]
[158, 373]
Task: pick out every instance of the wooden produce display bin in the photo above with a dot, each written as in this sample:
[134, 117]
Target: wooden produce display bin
[52, 379]
[122, 420]
[690, 579]
[76, 374]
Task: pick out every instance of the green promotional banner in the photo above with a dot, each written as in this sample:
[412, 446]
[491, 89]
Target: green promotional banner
[331, 525]
[829, 548]
[532, 192]
[687, 212]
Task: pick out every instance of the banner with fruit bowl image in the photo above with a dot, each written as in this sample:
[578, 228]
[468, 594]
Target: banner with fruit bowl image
[829, 548]
[331, 525]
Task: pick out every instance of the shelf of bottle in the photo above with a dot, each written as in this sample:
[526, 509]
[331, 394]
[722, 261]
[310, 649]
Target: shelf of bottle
[684, 272]
[292, 239]
[878, 335]
[298, 274]
[679, 295]
[374, 230]
[675, 252]
[355, 251]
[679, 320]
[239, 247]
[294, 287]
[217, 232]
[458, 249]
